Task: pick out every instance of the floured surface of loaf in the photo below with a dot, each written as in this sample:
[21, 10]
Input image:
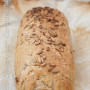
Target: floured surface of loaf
[44, 58]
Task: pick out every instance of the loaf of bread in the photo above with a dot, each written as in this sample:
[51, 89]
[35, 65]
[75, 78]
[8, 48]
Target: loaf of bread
[44, 58]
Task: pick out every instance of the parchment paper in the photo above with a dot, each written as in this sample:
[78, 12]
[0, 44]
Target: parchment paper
[78, 15]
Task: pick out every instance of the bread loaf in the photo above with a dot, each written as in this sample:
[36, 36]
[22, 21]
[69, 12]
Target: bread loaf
[44, 59]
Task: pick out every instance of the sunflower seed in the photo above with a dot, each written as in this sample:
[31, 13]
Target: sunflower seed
[49, 19]
[59, 48]
[37, 39]
[25, 26]
[21, 42]
[39, 60]
[40, 26]
[62, 49]
[48, 42]
[31, 23]
[42, 31]
[32, 35]
[49, 39]
[42, 48]
[50, 32]
[44, 57]
[62, 24]
[55, 71]
[52, 28]
[37, 43]
[16, 79]
[48, 36]
[52, 65]
[50, 68]
[55, 35]
[34, 30]
[22, 34]
[47, 49]
[39, 52]
[24, 66]
[26, 37]
[42, 60]
[34, 60]
[44, 64]
[56, 25]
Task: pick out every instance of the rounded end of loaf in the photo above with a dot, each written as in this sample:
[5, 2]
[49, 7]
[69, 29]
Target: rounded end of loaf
[44, 59]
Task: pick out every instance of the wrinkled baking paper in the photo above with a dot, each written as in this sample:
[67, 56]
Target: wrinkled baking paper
[78, 15]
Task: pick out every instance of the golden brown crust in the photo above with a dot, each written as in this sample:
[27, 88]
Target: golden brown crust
[2, 9]
[44, 59]
[2, 2]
